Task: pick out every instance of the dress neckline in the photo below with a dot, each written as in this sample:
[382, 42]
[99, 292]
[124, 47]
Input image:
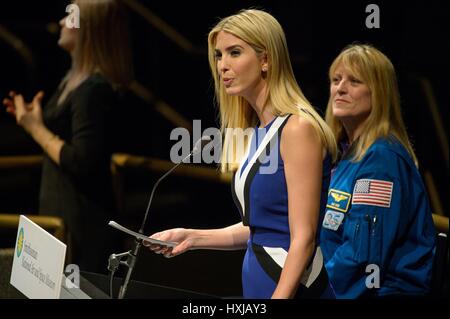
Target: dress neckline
[268, 124]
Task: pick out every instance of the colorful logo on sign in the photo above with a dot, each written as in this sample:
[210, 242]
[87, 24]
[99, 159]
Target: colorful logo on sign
[19, 247]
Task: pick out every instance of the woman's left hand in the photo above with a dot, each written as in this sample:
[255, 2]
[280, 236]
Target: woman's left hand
[28, 115]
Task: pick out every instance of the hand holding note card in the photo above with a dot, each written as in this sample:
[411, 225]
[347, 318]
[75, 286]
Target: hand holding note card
[141, 236]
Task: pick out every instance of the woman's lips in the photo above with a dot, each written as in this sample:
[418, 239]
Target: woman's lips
[227, 81]
[341, 101]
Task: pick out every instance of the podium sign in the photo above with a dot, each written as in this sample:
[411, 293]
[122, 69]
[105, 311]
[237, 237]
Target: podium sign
[38, 262]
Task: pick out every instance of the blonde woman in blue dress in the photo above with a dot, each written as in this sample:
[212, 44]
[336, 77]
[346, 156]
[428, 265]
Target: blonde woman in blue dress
[280, 208]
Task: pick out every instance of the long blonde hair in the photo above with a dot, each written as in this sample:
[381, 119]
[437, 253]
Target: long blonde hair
[385, 119]
[265, 35]
[103, 43]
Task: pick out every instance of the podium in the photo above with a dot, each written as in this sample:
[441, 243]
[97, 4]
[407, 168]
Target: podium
[96, 286]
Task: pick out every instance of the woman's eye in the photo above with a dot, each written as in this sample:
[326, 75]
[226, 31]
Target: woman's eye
[218, 56]
[235, 53]
[355, 81]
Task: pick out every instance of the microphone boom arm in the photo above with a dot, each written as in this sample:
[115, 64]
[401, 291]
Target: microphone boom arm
[113, 261]
[141, 230]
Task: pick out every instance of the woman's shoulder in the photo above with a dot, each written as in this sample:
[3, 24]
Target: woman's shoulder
[299, 134]
[94, 91]
[388, 153]
[96, 81]
[297, 125]
[387, 147]
[95, 87]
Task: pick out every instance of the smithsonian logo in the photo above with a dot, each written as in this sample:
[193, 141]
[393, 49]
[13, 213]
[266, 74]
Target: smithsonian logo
[19, 247]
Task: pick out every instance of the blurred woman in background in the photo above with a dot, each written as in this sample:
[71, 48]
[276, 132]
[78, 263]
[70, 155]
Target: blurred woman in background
[74, 129]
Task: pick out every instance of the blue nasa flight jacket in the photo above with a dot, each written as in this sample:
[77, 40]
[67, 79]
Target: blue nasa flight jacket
[377, 236]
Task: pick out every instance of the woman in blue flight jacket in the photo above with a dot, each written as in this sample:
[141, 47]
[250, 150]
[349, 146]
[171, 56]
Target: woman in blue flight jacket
[377, 235]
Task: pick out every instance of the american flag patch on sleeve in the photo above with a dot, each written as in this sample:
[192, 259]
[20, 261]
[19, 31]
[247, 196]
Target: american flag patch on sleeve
[372, 192]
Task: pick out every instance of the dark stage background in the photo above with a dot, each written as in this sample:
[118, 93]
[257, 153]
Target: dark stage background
[414, 34]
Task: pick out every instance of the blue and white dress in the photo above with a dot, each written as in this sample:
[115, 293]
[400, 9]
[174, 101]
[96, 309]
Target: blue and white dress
[260, 192]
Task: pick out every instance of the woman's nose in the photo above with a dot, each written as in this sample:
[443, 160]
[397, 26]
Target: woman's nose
[223, 65]
[62, 22]
[342, 87]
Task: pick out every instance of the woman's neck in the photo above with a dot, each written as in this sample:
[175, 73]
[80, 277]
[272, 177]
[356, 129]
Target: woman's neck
[265, 117]
[353, 129]
[263, 110]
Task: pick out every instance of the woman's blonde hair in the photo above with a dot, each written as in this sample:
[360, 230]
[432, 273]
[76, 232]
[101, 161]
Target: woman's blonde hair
[103, 43]
[265, 35]
[385, 119]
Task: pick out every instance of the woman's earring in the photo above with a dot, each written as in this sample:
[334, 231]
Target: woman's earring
[264, 72]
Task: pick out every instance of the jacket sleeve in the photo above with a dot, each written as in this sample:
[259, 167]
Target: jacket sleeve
[87, 148]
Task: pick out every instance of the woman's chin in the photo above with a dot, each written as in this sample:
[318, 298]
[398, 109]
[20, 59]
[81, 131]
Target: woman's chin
[64, 45]
[232, 91]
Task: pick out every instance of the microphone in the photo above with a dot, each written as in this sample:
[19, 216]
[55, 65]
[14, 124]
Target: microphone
[200, 144]
[113, 263]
